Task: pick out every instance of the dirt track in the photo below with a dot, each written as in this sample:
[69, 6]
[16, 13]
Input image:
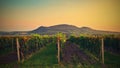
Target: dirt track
[71, 52]
[9, 58]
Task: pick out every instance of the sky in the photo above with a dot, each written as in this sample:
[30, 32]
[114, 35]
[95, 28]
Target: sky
[25, 15]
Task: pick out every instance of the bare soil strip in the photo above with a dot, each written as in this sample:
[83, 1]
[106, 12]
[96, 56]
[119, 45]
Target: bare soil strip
[9, 58]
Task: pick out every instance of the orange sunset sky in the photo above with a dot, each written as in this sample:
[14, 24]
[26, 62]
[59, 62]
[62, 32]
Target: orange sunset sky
[25, 15]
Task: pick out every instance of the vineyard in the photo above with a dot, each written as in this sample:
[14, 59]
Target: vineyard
[59, 51]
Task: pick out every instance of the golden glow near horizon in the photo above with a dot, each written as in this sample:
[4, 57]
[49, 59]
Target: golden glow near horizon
[23, 16]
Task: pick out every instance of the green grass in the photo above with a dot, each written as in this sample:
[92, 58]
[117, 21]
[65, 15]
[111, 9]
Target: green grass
[46, 56]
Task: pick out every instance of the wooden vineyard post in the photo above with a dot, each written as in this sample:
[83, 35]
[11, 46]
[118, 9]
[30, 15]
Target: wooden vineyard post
[102, 50]
[12, 44]
[58, 43]
[37, 44]
[18, 47]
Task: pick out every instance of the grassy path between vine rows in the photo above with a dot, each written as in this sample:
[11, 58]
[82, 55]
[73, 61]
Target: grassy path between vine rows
[46, 56]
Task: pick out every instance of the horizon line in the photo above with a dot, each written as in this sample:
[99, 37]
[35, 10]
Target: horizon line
[55, 25]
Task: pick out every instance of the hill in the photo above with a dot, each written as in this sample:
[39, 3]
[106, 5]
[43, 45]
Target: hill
[69, 29]
[64, 28]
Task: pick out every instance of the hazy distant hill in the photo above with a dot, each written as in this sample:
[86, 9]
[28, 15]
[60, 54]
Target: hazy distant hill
[68, 29]
[64, 28]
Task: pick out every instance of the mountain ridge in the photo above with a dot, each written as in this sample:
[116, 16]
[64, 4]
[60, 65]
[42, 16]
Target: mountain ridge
[68, 29]
[64, 28]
